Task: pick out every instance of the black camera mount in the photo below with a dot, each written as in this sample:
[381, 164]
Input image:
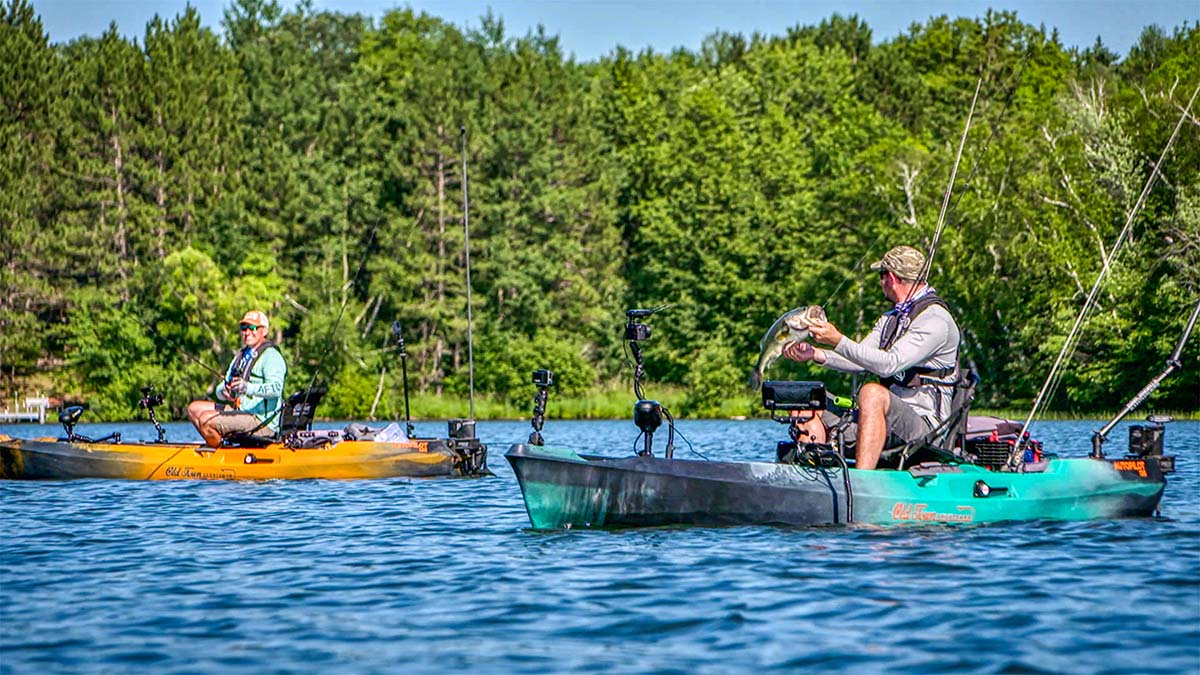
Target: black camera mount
[647, 414]
[543, 379]
[149, 400]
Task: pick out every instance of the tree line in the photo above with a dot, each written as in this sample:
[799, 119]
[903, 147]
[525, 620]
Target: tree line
[311, 164]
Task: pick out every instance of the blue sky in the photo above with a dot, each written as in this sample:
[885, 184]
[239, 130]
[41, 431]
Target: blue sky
[590, 29]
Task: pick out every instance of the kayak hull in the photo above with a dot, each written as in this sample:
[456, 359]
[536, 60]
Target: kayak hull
[50, 459]
[563, 489]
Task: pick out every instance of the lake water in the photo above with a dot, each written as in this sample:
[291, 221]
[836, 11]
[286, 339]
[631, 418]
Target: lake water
[444, 577]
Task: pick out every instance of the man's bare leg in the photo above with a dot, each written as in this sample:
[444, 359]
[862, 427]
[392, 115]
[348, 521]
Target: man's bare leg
[873, 400]
[202, 414]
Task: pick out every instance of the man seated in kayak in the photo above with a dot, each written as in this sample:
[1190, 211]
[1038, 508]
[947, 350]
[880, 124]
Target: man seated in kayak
[249, 398]
[913, 348]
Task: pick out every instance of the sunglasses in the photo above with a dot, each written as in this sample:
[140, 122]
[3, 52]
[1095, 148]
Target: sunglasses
[248, 327]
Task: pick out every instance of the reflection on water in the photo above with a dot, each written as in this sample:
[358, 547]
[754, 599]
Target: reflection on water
[444, 577]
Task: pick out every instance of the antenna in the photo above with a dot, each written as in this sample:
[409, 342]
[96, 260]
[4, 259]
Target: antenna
[467, 249]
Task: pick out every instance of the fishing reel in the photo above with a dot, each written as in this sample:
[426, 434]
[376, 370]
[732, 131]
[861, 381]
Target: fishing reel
[647, 415]
[149, 399]
[543, 380]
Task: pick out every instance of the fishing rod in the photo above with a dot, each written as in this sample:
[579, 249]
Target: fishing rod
[345, 300]
[1173, 364]
[941, 222]
[1090, 302]
[944, 216]
[467, 251]
[945, 213]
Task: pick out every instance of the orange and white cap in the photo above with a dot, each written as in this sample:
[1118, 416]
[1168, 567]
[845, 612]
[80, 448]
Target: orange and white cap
[256, 318]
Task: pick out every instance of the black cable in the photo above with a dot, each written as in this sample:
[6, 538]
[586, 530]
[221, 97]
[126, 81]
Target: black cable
[691, 448]
[849, 488]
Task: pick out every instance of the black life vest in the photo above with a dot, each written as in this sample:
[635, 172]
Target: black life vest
[897, 324]
[244, 373]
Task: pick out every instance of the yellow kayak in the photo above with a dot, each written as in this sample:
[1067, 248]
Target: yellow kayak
[53, 459]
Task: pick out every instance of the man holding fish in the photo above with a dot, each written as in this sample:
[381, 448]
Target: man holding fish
[913, 348]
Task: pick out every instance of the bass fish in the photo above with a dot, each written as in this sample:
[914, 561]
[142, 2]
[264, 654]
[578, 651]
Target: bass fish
[787, 329]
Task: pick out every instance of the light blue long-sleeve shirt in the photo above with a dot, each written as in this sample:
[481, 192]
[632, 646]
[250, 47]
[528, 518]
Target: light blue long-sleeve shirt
[264, 387]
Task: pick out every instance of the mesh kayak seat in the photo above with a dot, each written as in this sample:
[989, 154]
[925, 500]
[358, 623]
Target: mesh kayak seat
[943, 443]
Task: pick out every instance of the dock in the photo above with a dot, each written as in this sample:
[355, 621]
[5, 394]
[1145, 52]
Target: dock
[31, 410]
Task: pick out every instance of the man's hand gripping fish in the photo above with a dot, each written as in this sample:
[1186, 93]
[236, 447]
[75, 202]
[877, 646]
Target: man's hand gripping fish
[789, 328]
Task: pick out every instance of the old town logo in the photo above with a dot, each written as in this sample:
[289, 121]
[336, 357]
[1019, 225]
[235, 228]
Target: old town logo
[199, 474]
[921, 513]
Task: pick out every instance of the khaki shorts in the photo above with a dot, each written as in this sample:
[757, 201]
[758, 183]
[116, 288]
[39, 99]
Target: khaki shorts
[903, 424]
[229, 421]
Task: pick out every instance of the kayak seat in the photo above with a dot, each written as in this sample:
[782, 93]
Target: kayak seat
[944, 442]
[295, 415]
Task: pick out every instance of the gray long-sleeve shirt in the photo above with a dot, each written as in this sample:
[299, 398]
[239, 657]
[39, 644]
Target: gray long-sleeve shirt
[931, 341]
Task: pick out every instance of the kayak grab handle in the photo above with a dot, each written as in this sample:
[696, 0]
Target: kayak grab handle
[983, 490]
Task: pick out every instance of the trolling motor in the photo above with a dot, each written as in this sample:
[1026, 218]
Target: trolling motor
[399, 334]
[647, 414]
[1147, 440]
[543, 379]
[69, 417]
[148, 401]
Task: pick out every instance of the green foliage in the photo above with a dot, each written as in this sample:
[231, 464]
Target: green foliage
[311, 164]
[713, 375]
[504, 365]
[350, 396]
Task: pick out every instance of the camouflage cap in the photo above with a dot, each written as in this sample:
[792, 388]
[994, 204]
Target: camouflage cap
[905, 262]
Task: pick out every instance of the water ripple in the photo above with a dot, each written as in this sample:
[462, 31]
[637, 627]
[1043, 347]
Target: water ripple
[445, 577]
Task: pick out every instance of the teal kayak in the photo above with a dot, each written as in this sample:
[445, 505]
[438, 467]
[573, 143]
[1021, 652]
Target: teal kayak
[563, 489]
